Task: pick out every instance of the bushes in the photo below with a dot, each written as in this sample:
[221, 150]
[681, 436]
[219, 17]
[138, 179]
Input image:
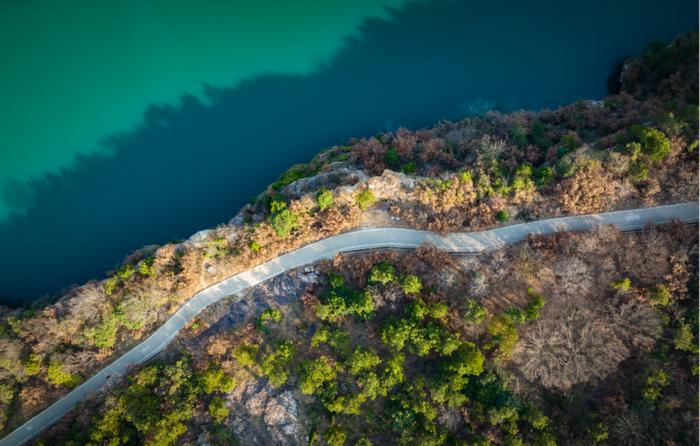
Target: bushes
[362, 359]
[623, 284]
[473, 312]
[391, 157]
[340, 302]
[660, 296]
[275, 364]
[382, 272]
[365, 199]
[314, 373]
[215, 380]
[652, 142]
[411, 284]
[218, 410]
[324, 199]
[282, 220]
[656, 380]
[502, 216]
[57, 376]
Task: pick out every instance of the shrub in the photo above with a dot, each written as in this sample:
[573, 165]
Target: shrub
[438, 310]
[502, 216]
[340, 302]
[518, 136]
[335, 436]
[473, 312]
[282, 220]
[110, 285]
[294, 173]
[271, 314]
[324, 199]
[215, 380]
[335, 279]
[218, 410]
[391, 157]
[532, 310]
[363, 359]
[565, 167]
[146, 266]
[544, 175]
[56, 375]
[365, 199]
[504, 334]
[656, 380]
[411, 284]
[275, 365]
[382, 272]
[684, 339]
[314, 373]
[32, 366]
[336, 338]
[654, 143]
[7, 393]
[245, 354]
[623, 284]
[661, 296]
[254, 246]
[408, 168]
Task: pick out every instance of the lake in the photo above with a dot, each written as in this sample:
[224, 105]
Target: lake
[140, 122]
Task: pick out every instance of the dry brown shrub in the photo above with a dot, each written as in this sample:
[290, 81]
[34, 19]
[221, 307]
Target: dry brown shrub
[590, 190]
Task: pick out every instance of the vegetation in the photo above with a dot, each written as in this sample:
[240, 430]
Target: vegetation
[365, 199]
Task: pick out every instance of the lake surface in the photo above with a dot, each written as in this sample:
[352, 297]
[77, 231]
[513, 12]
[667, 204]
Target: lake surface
[141, 122]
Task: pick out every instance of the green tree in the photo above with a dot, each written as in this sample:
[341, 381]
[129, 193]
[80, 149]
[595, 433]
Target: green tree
[473, 312]
[56, 375]
[382, 272]
[218, 410]
[314, 373]
[623, 284]
[391, 157]
[275, 365]
[654, 143]
[335, 436]
[282, 220]
[411, 284]
[324, 199]
[215, 379]
[365, 199]
[661, 295]
[363, 359]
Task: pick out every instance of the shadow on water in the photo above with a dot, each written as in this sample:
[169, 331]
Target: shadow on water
[194, 165]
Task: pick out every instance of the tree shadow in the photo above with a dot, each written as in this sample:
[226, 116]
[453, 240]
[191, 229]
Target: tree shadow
[193, 165]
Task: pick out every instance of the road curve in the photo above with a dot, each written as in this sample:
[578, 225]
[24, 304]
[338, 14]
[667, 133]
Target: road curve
[360, 239]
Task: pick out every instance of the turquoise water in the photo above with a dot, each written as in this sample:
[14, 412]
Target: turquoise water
[142, 122]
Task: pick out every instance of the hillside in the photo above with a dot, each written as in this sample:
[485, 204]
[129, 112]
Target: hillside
[475, 330]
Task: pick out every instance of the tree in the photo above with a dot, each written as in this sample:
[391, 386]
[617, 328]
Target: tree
[314, 373]
[275, 365]
[365, 199]
[391, 157]
[473, 312]
[335, 436]
[282, 220]
[215, 379]
[654, 143]
[56, 375]
[324, 199]
[218, 410]
[363, 359]
[382, 272]
[411, 284]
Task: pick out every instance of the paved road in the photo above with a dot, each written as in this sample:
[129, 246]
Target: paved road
[361, 239]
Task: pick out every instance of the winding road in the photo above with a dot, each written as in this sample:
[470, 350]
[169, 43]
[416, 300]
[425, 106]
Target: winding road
[360, 239]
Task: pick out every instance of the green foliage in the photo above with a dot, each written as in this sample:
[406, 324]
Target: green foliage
[32, 366]
[537, 135]
[565, 167]
[324, 199]
[409, 168]
[684, 339]
[522, 179]
[391, 157]
[282, 220]
[152, 409]
[654, 383]
[518, 136]
[660, 296]
[410, 284]
[623, 284]
[335, 436]
[599, 433]
[532, 309]
[245, 354]
[314, 373]
[270, 314]
[339, 302]
[146, 267]
[466, 177]
[362, 359]
[654, 143]
[382, 272]
[334, 337]
[504, 333]
[104, 335]
[502, 216]
[473, 312]
[544, 176]
[215, 380]
[412, 330]
[215, 248]
[57, 376]
[365, 199]
[294, 173]
[254, 246]
[218, 410]
[335, 279]
[275, 364]
[7, 393]
[110, 284]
